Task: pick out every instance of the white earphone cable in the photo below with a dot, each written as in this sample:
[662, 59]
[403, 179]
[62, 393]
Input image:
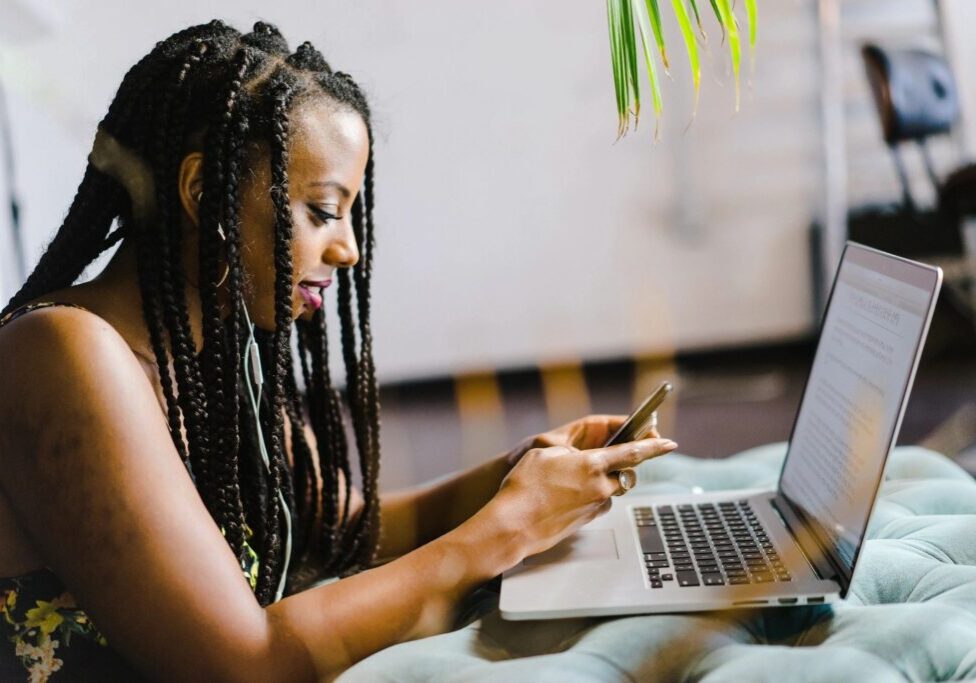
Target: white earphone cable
[252, 365]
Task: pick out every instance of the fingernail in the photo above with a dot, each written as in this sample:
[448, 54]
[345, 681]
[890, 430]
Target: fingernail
[668, 443]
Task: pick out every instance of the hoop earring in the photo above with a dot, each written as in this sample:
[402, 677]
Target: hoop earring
[223, 238]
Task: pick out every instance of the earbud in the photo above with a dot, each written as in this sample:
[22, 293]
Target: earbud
[220, 228]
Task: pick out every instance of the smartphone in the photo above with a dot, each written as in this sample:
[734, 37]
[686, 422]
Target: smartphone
[639, 423]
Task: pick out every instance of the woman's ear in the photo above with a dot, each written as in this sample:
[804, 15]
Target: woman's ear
[190, 185]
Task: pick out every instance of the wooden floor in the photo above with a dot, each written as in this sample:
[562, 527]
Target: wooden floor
[723, 403]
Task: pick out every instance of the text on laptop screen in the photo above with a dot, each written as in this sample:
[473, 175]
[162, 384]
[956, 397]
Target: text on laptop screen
[852, 400]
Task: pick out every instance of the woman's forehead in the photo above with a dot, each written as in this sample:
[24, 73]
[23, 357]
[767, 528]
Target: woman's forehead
[328, 142]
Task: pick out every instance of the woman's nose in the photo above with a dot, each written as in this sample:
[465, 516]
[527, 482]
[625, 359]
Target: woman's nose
[342, 251]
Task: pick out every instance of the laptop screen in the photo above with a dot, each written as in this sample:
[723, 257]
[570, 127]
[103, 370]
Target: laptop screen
[873, 328]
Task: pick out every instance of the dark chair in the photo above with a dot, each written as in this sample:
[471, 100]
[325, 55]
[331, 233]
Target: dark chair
[917, 99]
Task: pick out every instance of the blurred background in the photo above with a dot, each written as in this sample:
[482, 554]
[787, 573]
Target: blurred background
[530, 268]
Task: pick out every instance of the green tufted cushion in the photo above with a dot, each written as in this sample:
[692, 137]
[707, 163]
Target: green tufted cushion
[911, 613]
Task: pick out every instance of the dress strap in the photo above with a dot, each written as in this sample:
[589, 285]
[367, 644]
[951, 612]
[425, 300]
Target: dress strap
[27, 308]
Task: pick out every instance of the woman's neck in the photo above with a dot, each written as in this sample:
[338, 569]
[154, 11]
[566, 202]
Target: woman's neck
[117, 290]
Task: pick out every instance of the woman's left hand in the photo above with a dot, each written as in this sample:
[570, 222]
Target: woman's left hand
[583, 434]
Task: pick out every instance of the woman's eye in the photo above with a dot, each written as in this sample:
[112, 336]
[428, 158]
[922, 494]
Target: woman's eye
[322, 215]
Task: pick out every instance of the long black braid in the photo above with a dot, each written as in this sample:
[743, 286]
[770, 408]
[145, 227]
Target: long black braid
[209, 87]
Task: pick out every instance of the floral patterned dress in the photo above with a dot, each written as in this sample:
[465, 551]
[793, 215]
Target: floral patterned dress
[44, 634]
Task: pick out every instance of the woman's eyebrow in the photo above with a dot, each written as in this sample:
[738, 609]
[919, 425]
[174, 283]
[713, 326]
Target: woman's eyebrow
[332, 183]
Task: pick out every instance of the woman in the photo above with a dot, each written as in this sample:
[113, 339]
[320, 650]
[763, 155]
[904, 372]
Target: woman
[141, 532]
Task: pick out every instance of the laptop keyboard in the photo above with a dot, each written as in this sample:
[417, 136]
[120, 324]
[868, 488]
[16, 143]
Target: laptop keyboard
[710, 544]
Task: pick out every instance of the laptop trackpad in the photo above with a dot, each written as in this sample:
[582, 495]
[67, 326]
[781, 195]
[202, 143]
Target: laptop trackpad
[592, 544]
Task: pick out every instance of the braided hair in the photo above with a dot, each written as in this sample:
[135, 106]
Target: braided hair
[210, 86]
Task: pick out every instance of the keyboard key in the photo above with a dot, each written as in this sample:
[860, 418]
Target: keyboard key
[667, 577]
[762, 577]
[712, 579]
[656, 584]
[656, 556]
[658, 563]
[650, 539]
[738, 580]
[683, 566]
[688, 579]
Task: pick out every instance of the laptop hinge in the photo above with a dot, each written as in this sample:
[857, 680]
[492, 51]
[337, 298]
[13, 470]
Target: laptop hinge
[816, 555]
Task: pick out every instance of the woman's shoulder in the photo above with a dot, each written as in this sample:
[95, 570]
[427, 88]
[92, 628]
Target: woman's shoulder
[71, 298]
[72, 313]
[51, 324]
[48, 352]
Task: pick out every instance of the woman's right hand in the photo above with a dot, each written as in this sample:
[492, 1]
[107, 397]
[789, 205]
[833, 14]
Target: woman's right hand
[554, 491]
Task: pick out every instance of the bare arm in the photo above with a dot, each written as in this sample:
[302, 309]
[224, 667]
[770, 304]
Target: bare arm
[415, 516]
[95, 479]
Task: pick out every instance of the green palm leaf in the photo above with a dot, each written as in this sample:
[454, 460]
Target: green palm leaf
[654, 13]
[752, 18]
[718, 15]
[621, 16]
[727, 17]
[616, 59]
[630, 48]
[694, 9]
[684, 22]
[649, 63]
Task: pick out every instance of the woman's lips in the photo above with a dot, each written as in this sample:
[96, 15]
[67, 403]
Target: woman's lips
[312, 292]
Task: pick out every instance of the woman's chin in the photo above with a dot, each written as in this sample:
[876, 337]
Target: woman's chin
[305, 312]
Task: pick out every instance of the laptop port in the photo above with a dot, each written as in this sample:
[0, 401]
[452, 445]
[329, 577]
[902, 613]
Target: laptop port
[818, 599]
[787, 601]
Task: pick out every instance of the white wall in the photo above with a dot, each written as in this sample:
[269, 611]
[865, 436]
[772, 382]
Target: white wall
[512, 229]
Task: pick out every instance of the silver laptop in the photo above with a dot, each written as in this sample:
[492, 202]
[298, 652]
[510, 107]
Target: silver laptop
[795, 545]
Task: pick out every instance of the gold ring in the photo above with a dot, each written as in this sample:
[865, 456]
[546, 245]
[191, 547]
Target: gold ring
[627, 478]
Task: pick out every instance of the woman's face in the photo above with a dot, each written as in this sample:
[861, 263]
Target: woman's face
[328, 149]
